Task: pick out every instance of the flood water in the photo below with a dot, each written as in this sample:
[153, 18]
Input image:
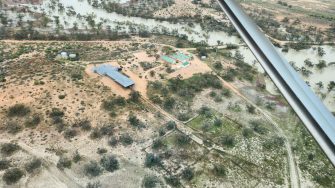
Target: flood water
[194, 33]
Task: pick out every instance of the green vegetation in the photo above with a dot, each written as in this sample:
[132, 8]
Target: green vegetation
[33, 165]
[219, 170]
[64, 162]
[92, 169]
[4, 164]
[96, 184]
[126, 139]
[13, 127]
[76, 157]
[113, 141]
[12, 175]
[173, 181]
[152, 160]
[150, 181]
[70, 133]
[187, 174]
[9, 149]
[33, 121]
[110, 163]
[18, 110]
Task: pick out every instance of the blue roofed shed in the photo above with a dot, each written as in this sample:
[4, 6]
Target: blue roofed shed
[113, 73]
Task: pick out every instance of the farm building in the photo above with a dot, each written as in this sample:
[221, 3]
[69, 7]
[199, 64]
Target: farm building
[114, 74]
[177, 57]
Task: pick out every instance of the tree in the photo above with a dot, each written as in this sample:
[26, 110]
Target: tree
[110, 163]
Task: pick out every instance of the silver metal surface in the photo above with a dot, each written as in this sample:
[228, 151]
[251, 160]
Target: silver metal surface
[313, 113]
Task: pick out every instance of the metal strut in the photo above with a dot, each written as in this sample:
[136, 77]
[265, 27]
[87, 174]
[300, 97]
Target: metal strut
[313, 113]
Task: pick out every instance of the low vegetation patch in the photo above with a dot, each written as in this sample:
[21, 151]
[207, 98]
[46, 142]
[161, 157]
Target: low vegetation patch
[9, 148]
[110, 163]
[12, 176]
[92, 169]
[33, 165]
[18, 110]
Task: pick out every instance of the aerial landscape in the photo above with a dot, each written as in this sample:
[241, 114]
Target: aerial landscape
[158, 93]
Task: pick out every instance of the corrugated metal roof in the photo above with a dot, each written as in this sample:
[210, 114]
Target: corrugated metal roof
[114, 74]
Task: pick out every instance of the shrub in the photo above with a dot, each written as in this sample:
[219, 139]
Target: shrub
[84, 125]
[172, 180]
[61, 96]
[70, 133]
[150, 181]
[161, 131]
[258, 127]
[152, 160]
[107, 129]
[9, 148]
[96, 184]
[126, 139]
[4, 164]
[182, 140]
[171, 125]
[217, 122]
[228, 140]
[77, 157]
[101, 151]
[33, 165]
[63, 163]
[187, 174]
[274, 142]
[247, 132]
[95, 134]
[110, 163]
[226, 92]
[133, 120]
[33, 121]
[204, 110]
[18, 110]
[12, 176]
[251, 109]
[169, 103]
[92, 169]
[158, 143]
[134, 96]
[219, 170]
[13, 127]
[112, 141]
[56, 112]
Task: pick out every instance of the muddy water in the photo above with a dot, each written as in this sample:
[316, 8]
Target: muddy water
[195, 33]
